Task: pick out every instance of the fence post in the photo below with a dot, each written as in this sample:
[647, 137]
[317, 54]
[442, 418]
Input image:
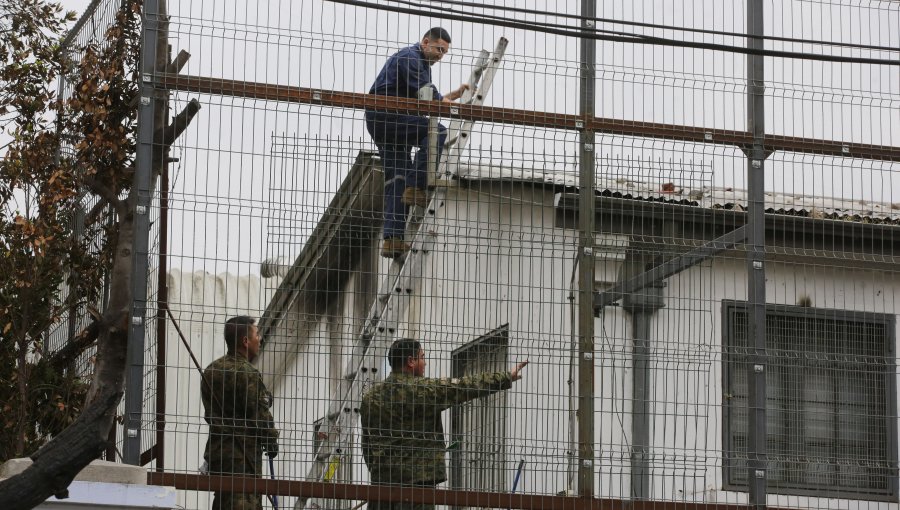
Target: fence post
[586, 212]
[134, 378]
[756, 272]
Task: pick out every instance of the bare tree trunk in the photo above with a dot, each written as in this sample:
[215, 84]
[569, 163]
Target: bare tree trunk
[22, 374]
[56, 464]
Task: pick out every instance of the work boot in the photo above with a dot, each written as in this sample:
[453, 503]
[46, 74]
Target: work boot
[393, 247]
[415, 196]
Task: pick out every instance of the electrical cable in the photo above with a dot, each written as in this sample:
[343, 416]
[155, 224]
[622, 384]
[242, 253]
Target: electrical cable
[652, 39]
[658, 26]
[592, 34]
[542, 23]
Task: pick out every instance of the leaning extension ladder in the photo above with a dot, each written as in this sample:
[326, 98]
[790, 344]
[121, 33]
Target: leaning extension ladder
[402, 281]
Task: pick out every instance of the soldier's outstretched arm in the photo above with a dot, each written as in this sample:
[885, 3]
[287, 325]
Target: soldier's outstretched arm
[449, 392]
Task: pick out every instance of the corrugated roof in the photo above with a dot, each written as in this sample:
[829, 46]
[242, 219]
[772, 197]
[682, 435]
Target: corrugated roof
[698, 195]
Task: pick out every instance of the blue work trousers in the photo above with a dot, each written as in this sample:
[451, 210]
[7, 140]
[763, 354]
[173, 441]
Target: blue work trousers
[396, 135]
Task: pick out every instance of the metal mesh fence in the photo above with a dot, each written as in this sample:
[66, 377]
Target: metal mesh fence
[721, 332]
[93, 215]
[89, 29]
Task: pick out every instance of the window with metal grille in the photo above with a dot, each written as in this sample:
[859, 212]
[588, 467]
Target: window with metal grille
[830, 402]
[478, 427]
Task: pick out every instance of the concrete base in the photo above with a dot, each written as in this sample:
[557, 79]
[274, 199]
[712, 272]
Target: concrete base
[104, 496]
[96, 471]
[104, 485]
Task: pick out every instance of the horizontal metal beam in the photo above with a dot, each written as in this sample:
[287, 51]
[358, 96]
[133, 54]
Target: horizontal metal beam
[416, 495]
[779, 225]
[337, 99]
[670, 267]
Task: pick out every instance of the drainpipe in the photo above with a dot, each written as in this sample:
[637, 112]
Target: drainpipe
[642, 305]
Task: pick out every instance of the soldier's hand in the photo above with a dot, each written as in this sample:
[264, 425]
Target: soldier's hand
[516, 372]
[272, 450]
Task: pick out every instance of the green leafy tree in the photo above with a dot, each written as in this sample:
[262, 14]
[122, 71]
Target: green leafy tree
[39, 253]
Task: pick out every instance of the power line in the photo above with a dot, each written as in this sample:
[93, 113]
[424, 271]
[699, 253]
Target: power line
[654, 25]
[653, 40]
[599, 35]
[542, 23]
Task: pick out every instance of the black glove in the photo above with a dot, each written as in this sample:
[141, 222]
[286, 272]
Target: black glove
[272, 450]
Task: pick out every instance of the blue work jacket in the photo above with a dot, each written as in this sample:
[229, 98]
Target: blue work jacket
[404, 73]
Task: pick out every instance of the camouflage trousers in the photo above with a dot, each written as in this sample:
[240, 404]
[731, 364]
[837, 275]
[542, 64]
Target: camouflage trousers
[238, 457]
[390, 505]
[236, 501]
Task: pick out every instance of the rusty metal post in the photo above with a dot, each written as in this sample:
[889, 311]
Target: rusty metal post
[586, 219]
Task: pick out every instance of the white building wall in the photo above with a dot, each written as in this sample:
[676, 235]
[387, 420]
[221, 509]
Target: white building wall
[613, 404]
[501, 259]
[687, 380]
[309, 349]
[201, 303]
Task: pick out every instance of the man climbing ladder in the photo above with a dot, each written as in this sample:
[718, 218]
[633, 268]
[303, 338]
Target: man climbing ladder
[395, 134]
[398, 287]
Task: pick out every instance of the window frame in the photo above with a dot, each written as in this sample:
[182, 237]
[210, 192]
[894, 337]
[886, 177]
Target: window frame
[461, 357]
[730, 306]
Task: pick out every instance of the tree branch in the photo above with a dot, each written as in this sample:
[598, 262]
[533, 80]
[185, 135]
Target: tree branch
[57, 463]
[180, 123]
[176, 65]
[106, 194]
[95, 211]
[76, 345]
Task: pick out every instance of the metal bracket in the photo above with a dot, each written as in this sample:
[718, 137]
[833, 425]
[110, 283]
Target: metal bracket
[748, 150]
[670, 267]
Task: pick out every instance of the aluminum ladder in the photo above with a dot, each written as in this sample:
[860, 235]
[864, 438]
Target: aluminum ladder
[335, 432]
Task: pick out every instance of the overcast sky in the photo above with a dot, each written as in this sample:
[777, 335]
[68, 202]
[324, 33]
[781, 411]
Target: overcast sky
[267, 169]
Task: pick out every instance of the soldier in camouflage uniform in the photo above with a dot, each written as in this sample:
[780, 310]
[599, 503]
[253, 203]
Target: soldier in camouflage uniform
[237, 406]
[402, 432]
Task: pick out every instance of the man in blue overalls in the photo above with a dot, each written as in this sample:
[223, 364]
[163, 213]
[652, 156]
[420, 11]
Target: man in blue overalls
[395, 134]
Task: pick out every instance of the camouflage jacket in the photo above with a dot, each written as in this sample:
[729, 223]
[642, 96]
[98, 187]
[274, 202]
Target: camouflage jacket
[237, 408]
[402, 433]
